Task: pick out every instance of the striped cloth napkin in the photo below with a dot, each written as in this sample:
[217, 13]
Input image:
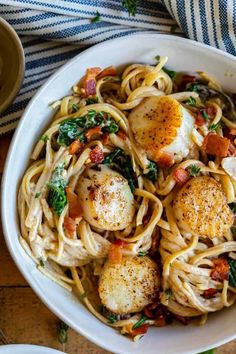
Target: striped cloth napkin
[54, 31]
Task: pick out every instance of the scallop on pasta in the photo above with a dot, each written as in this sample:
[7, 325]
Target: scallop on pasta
[129, 198]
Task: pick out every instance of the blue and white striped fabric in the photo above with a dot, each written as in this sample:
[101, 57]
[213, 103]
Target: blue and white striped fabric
[54, 31]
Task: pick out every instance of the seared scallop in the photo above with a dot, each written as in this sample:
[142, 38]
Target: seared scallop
[201, 208]
[106, 198]
[130, 286]
[162, 125]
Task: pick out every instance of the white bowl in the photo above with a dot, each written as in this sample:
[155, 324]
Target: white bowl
[26, 349]
[183, 55]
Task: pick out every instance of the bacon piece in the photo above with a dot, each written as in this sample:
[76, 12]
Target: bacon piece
[89, 82]
[75, 209]
[199, 119]
[181, 319]
[115, 251]
[216, 145]
[221, 269]
[161, 321]
[165, 159]
[105, 138]
[186, 79]
[209, 293]
[96, 155]
[75, 147]
[70, 226]
[180, 176]
[122, 134]
[109, 71]
[140, 330]
[92, 132]
[231, 150]
[210, 110]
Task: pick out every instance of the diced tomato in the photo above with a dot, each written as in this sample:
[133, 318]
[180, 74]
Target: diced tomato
[232, 131]
[122, 135]
[149, 313]
[180, 176]
[231, 150]
[75, 209]
[92, 132]
[165, 159]
[96, 155]
[140, 330]
[216, 145]
[70, 226]
[75, 147]
[186, 79]
[220, 271]
[209, 293]
[105, 138]
[210, 110]
[161, 321]
[115, 254]
[109, 71]
[181, 319]
[89, 82]
[120, 243]
[199, 119]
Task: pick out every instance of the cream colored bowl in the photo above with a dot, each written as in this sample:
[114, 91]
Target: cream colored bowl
[12, 64]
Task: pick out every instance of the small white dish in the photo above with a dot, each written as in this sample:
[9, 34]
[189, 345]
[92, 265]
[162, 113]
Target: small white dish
[26, 349]
[184, 55]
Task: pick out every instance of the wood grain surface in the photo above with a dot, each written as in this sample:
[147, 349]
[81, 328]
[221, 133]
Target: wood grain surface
[25, 319]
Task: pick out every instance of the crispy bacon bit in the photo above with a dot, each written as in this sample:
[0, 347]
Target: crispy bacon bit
[161, 321]
[96, 155]
[181, 319]
[209, 293]
[231, 150]
[115, 251]
[216, 145]
[75, 209]
[122, 135]
[109, 71]
[186, 79]
[75, 147]
[220, 271]
[199, 119]
[70, 226]
[105, 138]
[232, 131]
[93, 132]
[140, 330]
[89, 83]
[165, 159]
[181, 176]
[210, 110]
[120, 243]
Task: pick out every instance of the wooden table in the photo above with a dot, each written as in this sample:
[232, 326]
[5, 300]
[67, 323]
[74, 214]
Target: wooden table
[25, 319]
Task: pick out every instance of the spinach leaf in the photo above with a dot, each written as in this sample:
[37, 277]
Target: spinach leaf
[232, 272]
[122, 163]
[91, 100]
[72, 129]
[153, 171]
[56, 186]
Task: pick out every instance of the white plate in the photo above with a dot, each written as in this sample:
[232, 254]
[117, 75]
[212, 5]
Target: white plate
[26, 349]
[183, 55]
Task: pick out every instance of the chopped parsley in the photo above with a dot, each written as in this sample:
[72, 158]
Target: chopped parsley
[56, 186]
[121, 162]
[96, 18]
[191, 101]
[112, 318]
[214, 127]
[37, 195]
[142, 254]
[62, 332]
[205, 115]
[153, 171]
[74, 108]
[44, 138]
[140, 322]
[194, 170]
[130, 6]
[232, 272]
[91, 100]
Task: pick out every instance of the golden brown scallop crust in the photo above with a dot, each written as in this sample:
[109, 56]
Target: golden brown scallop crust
[130, 286]
[201, 207]
[155, 123]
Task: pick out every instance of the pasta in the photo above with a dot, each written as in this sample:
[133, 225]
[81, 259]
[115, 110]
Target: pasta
[129, 196]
